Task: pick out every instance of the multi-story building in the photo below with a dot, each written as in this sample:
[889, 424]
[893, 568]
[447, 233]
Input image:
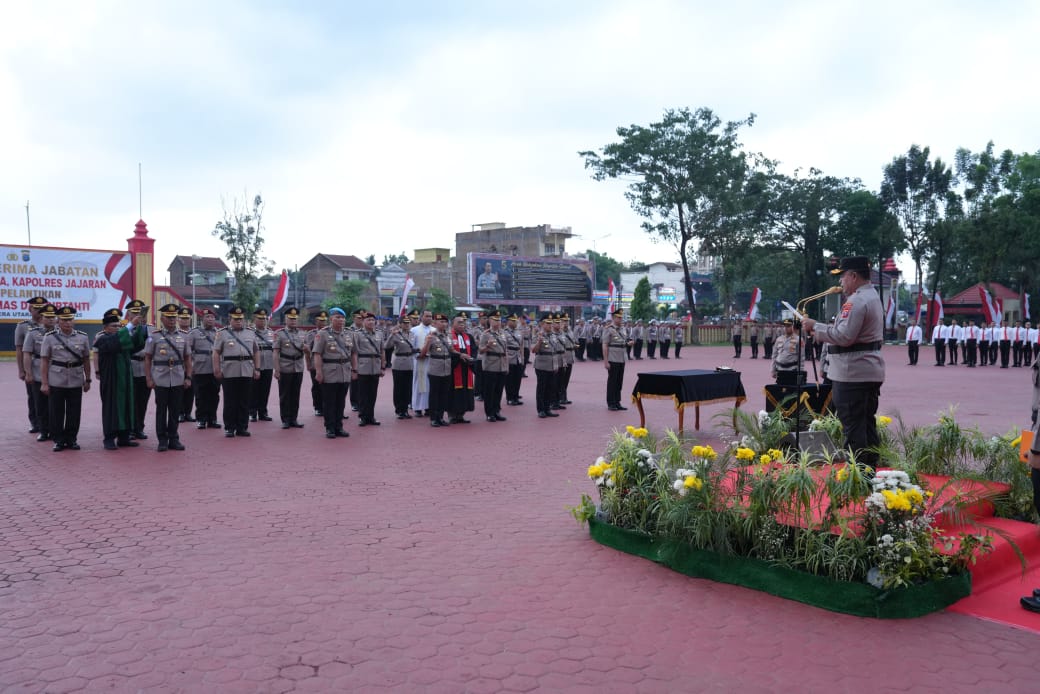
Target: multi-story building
[325, 269]
[496, 237]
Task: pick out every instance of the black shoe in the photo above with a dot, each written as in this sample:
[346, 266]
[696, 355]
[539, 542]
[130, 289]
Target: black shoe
[560, 406]
[1030, 603]
[252, 418]
[403, 416]
[478, 398]
[551, 414]
[139, 435]
[127, 443]
[200, 425]
[542, 415]
[188, 418]
[566, 402]
[353, 408]
[436, 423]
[162, 447]
[182, 418]
[265, 418]
[285, 425]
[343, 434]
[110, 445]
[318, 413]
[295, 425]
[176, 446]
[215, 425]
[492, 419]
[242, 432]
[72, 446]
[34, 430]
[620, 407]
[460, 420]
[499, 418]
[330, 434]
[43, 437]
[362, 423]
[58, 447]
[229, 434]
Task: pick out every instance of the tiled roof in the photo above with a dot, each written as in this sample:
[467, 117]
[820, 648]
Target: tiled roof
[201, 265]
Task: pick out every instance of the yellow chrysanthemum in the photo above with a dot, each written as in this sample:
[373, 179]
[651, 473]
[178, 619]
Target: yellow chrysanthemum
[630, 429]
[883, 421]
[640, 432]
[776, 454]
[1016, 442]
[915, 496]
[595, 471]
[765, 459]
[842, 474]
[745, 454]
[710, 453]
[694, 483]
[895, 501]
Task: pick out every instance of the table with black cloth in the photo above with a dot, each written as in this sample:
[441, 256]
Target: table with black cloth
[688, 387]
[814, 398]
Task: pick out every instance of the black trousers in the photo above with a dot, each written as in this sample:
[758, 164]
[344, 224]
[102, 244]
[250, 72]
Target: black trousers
[994, 346]
[236, 403]
[513, 380]
[207, 397]
[367, 387]
[1005, 353]
[754, 347]
[579, 351]
[543, 390]
[615, 378]
[940, 351]
[768, 344]
[64, 406]
[141, 395]
[952, 346]
[440, 397]
[563, 379]
[651, 349]
[856, 404]
[737, 344]
[984, 352]
[912, 350]
[188, 400]
[478, 375]
[31, 406]
[678, 348]
[494, 384]
[289, 385]
[42, 407]
[637, 348]
[354, 394]
[971, 352]
[316, 396]
[1027, 353]
[333, 400]
[167, 412]
[664, 345]
[1034, 475]
[402, 390]
[596, 349]
[1016, 351]
[260, 393]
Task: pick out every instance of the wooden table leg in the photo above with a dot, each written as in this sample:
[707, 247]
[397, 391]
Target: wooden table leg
[682, 412]
[642, 415]
[740, 401]
[697, 417]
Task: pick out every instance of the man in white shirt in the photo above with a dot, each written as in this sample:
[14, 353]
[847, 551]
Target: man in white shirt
[1028, 341]
[953, 341]
[971, 344]
[1017, 338]
[913, 341]
[420, 373]
[939, 342]
[1004, 337]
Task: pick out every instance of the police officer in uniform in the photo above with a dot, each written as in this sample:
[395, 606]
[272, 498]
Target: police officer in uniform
[236, 364]
[260, 393]
[207, 390]
[566, 338]
[493, 347]
[141, 390]
[31, 353]
[167, 364]
[335, 364]
[399, 342]
[435, 352]
[785, 354]
[769, 339]
[64, 378]
[664, 339]
[371, 365]
[558, 364]
[321, 321]
[356, 327]
[542, 349]
[615, 338]
[21, 330]
[289, 359]
[515, 356]
[857, 368]
[188, 396]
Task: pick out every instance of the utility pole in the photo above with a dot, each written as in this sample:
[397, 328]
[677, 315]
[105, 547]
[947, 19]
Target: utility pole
[28, 229]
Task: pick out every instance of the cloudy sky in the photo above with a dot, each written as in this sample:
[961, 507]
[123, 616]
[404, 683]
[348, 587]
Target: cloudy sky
[381, 127]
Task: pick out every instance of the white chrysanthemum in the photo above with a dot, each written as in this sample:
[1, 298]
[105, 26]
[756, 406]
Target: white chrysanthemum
[643, 453]
[677, 485]
[610, 482]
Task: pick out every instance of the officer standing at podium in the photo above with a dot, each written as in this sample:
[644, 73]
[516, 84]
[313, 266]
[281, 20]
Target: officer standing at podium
[857, 368]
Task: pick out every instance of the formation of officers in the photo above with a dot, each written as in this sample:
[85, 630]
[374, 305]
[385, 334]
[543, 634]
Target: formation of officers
[440, 368]
[977, 345]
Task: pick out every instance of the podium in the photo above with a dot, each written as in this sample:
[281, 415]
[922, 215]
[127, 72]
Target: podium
[815, 398]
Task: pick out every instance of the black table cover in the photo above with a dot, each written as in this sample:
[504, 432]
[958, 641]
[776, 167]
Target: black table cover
[690, 385]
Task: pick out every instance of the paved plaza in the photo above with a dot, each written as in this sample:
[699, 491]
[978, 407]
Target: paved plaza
[414, 559]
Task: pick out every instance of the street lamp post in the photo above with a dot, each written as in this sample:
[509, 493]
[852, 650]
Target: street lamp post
[194, 279]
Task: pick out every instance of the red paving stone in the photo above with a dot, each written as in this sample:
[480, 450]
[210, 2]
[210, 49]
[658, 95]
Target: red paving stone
[412, 559]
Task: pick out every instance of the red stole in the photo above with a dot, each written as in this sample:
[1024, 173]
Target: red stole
[463, 372]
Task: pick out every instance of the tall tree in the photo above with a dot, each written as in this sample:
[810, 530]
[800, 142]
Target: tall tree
[241, 230]
[347, 295]
[606, 269]
[641, 308]
[915, 190]
[687, 176]
[440, 301]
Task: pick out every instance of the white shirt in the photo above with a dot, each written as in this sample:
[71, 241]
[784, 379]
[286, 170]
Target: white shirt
[971, 333]
[913, 333]
[937, 333]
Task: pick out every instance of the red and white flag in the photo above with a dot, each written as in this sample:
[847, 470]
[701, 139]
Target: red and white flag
[999, 304]
[988, 306]
[938, 308]
[890, 312]
[611, 298]
[282, 294]
[1025, 306]
[408, 284]
[756, 296]
[917, 311]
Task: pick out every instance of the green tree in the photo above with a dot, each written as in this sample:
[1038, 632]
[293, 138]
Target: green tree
[915, 190]
[397, 259]
[347, 295]
[606, 268]
[688, 176]
[641, 308]
[241, 230]
[440, 301]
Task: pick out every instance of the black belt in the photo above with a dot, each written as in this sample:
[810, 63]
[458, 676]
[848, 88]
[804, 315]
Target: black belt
[237, 358]
[170, 362]
[66, 364]
[265, 348]
[203, 351]
[296, 358]
[137, 357]
[438, 356]
[334, 361]
[368, 356]
[858, 347]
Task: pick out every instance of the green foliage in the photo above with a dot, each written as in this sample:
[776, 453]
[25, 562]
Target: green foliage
[241, 230]
[440, 301]
[398, 259]
[688, 177]
[347, 295]
[606, 269]
[641, 308]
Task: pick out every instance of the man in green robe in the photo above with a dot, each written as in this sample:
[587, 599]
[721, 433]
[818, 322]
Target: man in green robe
[114, 345]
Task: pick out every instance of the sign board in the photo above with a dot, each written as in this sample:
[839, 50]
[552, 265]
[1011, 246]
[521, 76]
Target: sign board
[510, 279]
[90, 281]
